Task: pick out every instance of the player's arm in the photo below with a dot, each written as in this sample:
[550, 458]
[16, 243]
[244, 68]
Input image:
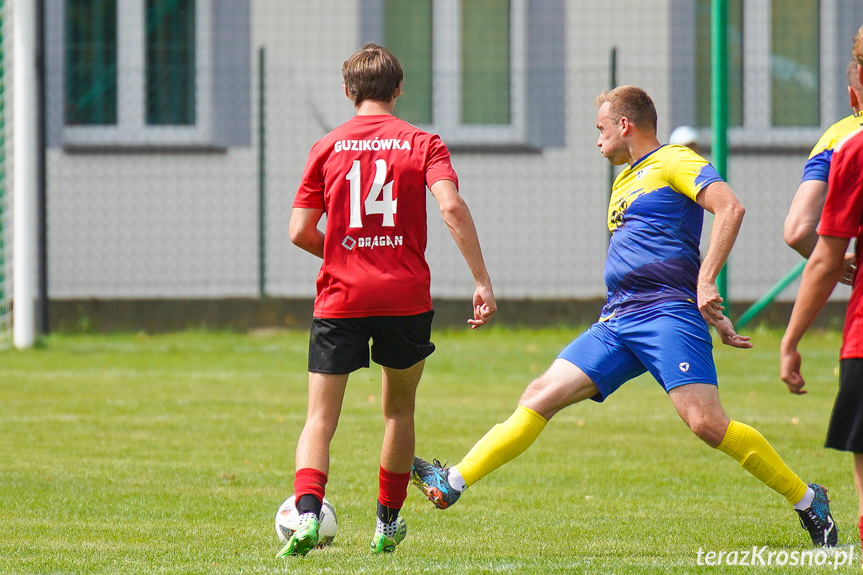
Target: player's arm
[822, 271]
[460, 223]
[304, 232]
[718, 199]
[801, 223]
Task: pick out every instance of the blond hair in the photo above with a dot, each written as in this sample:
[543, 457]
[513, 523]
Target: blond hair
[632, 103]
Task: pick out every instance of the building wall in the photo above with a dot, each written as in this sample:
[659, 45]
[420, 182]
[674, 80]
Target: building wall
[183, 223]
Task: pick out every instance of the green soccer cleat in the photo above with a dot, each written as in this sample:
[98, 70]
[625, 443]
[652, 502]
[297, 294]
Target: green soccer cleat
[383, 544]
[817, 519]
[431, 479]
[304, 539]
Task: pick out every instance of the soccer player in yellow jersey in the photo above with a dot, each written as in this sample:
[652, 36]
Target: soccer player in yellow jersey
[805, 211]
[661, 298]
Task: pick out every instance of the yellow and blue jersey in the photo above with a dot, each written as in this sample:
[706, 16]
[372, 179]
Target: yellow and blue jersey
[654, 252]
[817, 167]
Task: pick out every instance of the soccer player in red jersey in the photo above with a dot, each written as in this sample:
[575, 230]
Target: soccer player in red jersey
[841, 221]
[369, 176]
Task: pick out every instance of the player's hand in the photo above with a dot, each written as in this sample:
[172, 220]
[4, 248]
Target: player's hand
[789, 370]
[850, 269]
[484, 307]
[710, 304]
[728, 335]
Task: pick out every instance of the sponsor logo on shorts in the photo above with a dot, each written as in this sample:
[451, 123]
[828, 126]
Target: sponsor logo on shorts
[684, 366]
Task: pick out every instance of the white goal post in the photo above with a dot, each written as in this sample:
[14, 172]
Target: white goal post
[24, 172]
[5, 212]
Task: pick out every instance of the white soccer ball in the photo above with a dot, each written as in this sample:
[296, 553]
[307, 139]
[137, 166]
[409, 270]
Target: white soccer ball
[287, 521]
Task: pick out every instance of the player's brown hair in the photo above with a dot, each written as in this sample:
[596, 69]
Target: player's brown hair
[372, 73]
[632, 103]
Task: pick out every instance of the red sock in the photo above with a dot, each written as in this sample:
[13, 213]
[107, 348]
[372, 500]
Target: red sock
[860, 530]
[392, 488]
[309, 481]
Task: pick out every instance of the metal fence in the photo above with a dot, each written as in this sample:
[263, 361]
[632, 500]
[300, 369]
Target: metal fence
[177, 130]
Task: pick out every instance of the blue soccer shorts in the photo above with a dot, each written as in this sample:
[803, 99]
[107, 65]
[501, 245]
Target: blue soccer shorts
[670, 340]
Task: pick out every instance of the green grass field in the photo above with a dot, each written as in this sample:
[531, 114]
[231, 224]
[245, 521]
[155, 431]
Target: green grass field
[170, 454]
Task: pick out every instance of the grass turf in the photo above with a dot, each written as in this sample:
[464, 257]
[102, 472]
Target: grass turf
[170, 454]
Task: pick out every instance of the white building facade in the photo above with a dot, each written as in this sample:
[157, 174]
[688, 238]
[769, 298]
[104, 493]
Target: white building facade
[177, 137]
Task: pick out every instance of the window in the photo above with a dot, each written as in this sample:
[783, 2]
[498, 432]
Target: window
[170, 66]
[704, 60]
[786, 67]
[461, 55]
[91, 62]
[486, 62]
[149, 73]
[408, 35]
[473, 66]
[795, 75]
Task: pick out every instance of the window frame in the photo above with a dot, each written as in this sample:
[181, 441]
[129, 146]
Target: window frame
[447, 94]
[131, 128]
[230, 92]
[537, 76]
[757, 130]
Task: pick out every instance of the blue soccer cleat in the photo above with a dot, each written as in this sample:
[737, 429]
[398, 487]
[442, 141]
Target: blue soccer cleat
[431, 479]
[818, 521]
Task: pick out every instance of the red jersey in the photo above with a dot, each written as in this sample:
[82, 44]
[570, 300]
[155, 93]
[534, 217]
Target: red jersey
[842, 218]
[370, 176]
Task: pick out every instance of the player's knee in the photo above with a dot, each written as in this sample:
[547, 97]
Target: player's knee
[399, 413]
[709, 429]
[321, 425]
[542, 396]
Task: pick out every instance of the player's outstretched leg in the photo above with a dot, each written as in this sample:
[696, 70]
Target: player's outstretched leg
[817, 520]
[387, 536]
[503, 443]
[699, 406]
[757, 456]
[431, 479]
[304, 539]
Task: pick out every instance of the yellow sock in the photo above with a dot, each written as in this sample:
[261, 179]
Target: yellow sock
[503, 443]
[758, 457]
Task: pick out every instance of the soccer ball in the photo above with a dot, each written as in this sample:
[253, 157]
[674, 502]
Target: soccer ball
[287, 521]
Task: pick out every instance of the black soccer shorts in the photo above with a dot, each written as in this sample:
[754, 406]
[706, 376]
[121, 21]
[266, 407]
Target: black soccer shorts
[845, 431]
[341, 345]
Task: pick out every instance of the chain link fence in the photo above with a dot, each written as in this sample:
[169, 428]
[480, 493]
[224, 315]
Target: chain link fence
[177, 131]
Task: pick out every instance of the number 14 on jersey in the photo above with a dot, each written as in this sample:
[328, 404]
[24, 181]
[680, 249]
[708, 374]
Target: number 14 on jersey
[379, 199]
